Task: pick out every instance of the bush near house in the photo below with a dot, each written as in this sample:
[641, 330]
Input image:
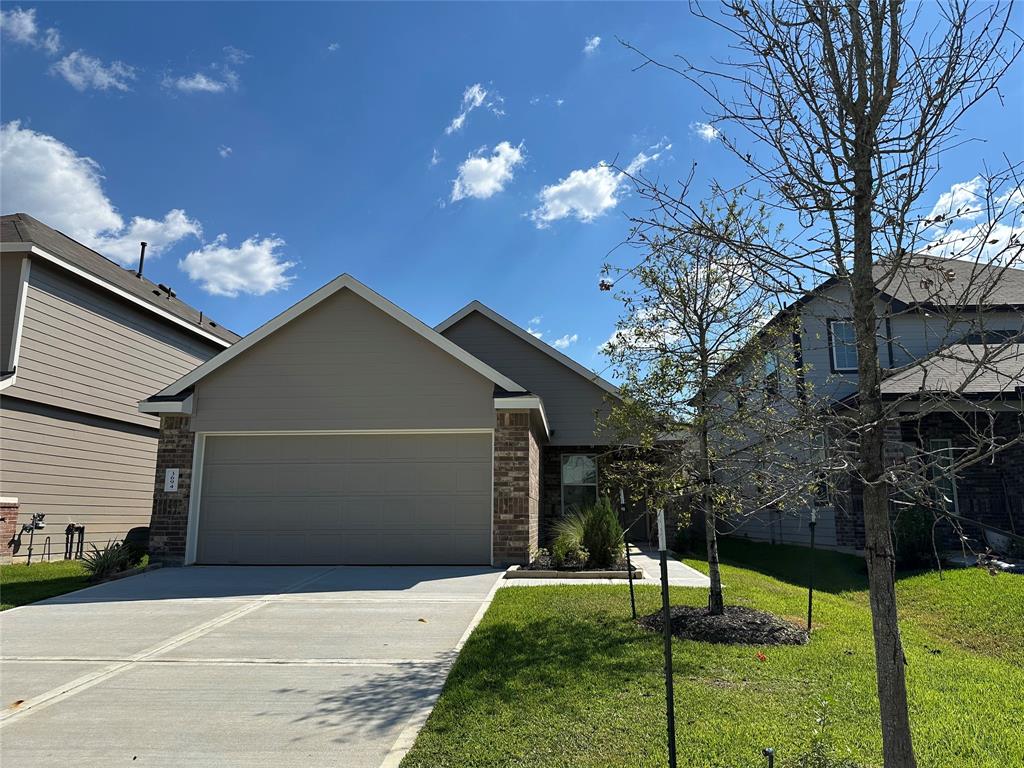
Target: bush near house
[591, 535]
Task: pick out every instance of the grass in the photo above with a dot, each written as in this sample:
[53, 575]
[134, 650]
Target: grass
[559, 676]
[21, 584]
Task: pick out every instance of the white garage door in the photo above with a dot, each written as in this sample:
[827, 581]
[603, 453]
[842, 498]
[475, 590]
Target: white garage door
[346, 499]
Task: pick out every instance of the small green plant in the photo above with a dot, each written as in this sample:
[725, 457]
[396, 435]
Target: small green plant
[112, 559]
[912, 535]
[822, 753]
[592, 533]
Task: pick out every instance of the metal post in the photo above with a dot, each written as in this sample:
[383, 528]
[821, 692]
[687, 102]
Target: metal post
[670, 699]
[31, 538]
[810, 578]
[629, 562]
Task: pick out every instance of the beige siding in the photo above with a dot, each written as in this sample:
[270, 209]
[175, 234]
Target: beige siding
[83, 351]
[352, 499]
[76, 469]
[343, 365]
[10, 283]
[569, 399]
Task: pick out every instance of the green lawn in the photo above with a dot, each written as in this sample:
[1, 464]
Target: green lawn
[559, 676]
[21, 584]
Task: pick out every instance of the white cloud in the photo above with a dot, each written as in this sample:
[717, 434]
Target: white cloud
[587, 194]
[220, 77]
[482, 176]
[234, 55]
[473, 97]
[255, 267]
[535, 332]
[592, 44]
[200, 83]
[964, 223]
[333, 47]
[83, 72]
[435, 158]
[535, 320]
[47, 179]
[705, 131]
[565, 341]
[159, 235]
[224, 151]
[19, 26]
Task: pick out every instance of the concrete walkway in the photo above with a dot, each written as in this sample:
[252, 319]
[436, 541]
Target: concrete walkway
[235, 666]
[679, 574]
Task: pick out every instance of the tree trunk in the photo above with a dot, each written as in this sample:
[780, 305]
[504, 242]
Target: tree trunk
[897, 746]
[716, 601]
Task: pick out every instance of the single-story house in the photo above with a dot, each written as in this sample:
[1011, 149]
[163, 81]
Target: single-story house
[82, 339]
[346, 431]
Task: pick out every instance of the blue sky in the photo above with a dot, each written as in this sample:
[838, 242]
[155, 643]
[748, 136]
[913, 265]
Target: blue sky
[313, 138]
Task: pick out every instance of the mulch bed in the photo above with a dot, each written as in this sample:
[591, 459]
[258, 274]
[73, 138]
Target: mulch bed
[738, 625]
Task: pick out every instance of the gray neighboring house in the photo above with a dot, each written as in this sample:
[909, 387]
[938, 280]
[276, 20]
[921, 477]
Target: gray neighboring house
[82, 340]
[346, 431]
[937, 318]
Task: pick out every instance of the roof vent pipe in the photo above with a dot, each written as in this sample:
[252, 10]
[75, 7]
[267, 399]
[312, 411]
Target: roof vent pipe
[142, 257]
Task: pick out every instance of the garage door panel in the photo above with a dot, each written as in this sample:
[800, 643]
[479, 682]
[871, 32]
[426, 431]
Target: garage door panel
[346, 499]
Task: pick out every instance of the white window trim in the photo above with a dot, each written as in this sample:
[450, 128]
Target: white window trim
[19, 323]
[561, 481]
[832, 344]
[936, 444]
[199, 448]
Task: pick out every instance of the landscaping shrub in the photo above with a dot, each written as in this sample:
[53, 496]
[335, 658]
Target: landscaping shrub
[592, 534]
[136, 541]
[112, 559]
[912, 536]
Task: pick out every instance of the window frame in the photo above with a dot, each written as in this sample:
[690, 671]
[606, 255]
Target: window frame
[561, 477]
[945, 444]
[832, 345]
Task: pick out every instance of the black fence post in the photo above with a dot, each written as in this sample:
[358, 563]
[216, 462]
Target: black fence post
[810, 578]
[670, 703]
[629, 562]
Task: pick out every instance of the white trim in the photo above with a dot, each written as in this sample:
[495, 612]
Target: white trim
[14, 499]
[19, 323]
[337, 284]
[37, 251]
[526, 402]
[166, 406]
[199, 449]
[529, 338]
[194, 496]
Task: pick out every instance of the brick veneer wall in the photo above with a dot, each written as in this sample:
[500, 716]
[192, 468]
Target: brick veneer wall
[8, 528]
[169, 521]
[516, 488]
[551, 484]
[991, 492]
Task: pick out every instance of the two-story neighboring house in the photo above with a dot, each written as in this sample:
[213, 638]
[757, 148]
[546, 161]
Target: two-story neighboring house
[951, 346]
[82, 340]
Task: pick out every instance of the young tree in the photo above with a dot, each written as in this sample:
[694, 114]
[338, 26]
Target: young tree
[846, 106]
[695, 360]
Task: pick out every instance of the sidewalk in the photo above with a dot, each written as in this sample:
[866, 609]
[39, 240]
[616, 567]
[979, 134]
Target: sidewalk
[679, 574]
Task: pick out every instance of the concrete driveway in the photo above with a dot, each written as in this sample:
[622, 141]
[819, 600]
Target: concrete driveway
[234, 666]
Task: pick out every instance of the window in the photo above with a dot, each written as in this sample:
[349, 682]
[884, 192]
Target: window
[941, 452]
[579, 481]
[771, 373]
[842, 344]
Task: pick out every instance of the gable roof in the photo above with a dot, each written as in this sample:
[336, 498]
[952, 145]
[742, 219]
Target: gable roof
[935, 281]
[529, 338]
[967, 369]
[21, 232]
[342, 282]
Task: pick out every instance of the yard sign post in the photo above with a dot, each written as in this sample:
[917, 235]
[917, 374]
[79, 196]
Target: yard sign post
[667, 620]
[810, 578]
[629, 563]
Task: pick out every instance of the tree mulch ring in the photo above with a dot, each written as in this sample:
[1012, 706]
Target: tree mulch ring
[738, 625]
